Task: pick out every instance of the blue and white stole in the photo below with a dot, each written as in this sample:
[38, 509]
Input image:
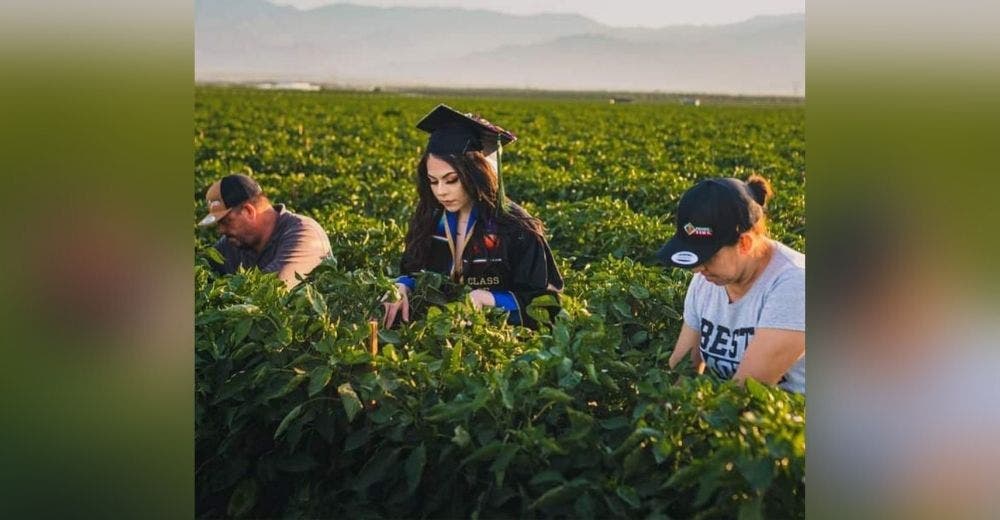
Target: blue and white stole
[449, 226]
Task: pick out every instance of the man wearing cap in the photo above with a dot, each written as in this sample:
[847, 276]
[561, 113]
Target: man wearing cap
[257, 234]
[744, 313]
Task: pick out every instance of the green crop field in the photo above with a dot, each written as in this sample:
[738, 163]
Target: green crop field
[459, 414]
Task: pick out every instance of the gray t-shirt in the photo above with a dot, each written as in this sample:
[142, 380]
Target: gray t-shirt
[297, 245]
[777, 300]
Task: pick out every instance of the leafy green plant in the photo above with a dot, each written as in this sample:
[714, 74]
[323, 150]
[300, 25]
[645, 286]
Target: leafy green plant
[458, 414]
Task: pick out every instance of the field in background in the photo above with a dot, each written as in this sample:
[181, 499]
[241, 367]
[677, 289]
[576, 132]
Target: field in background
[459, 414]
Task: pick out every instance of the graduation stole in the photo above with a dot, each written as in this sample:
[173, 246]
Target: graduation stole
[450, 220]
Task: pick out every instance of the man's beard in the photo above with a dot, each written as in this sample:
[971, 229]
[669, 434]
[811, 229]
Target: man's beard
[235, 242]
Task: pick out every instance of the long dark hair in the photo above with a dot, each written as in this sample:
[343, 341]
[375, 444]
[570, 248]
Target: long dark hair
[479, 180]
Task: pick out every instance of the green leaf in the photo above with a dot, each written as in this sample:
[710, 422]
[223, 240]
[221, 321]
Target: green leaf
[446, 411]
[622, 309]
[502, 495]
[318, 379]
[391, 337]
[292, 384]
[414, 467]
[374, 471]
[579, 419]
[545, 300]
[484, 452]
[289, 417]
[241, 330]
[634, 462]
[247, 349]
[241, 309]
[548, 393]
[615, 423]
[244, 496]
[609, 382]
[708, 484]
[561, 334]
[316, 300]
[349, 398]
[503, 460]
[560, 494]
[546, 477]
[356, 357]
[639, 291]
[537, 309]
[628, 494]
[455, 360]
[758, 391]
[214, 255]
[662, 449]
[505, 395]
[639, 337]
[284, 336]
[324, 345]
[356, 439]
[499, 466]
[382, 414]
[235, 385]
[584, 506]
[570, 380]
[682, 477]
[752, 509]
[759, 473]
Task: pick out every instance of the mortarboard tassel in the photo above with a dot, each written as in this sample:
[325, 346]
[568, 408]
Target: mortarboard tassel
[501, 193]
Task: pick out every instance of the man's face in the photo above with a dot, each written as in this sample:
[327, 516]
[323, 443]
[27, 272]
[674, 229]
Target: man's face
[237, 227]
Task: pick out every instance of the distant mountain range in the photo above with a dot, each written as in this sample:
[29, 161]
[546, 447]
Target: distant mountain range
[254, 40]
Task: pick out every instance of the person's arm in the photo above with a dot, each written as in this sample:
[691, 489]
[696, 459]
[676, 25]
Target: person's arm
[780, 339]
[688, 339]
[405, 284]
[697, 362]
[299, 251]
[770, 354]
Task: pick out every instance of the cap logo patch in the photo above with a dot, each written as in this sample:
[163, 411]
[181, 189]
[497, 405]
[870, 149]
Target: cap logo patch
[691, 229]
[684, 258]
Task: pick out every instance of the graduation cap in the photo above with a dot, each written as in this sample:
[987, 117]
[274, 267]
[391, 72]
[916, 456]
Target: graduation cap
[454, 133]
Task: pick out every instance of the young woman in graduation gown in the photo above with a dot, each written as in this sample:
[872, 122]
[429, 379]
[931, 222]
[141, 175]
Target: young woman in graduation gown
[464, 226]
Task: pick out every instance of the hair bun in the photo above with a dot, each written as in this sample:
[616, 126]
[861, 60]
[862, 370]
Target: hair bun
[760, 188]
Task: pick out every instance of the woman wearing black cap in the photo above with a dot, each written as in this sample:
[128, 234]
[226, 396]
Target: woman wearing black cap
[745, 306]
[465, 227]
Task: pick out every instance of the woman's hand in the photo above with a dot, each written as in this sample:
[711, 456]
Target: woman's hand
[687, 342]
[393, 308]
[482, 298]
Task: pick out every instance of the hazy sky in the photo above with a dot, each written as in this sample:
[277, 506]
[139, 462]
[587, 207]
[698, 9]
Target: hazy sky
[645, 13]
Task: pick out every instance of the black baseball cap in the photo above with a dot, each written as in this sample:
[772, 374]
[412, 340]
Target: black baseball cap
[454, 133]
[712, 214]
[227, 193]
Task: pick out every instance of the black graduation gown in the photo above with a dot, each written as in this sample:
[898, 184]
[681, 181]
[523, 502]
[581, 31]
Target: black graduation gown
[509, 261]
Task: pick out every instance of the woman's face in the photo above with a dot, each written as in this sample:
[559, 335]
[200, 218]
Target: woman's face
[725, 266]
[446, 186]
